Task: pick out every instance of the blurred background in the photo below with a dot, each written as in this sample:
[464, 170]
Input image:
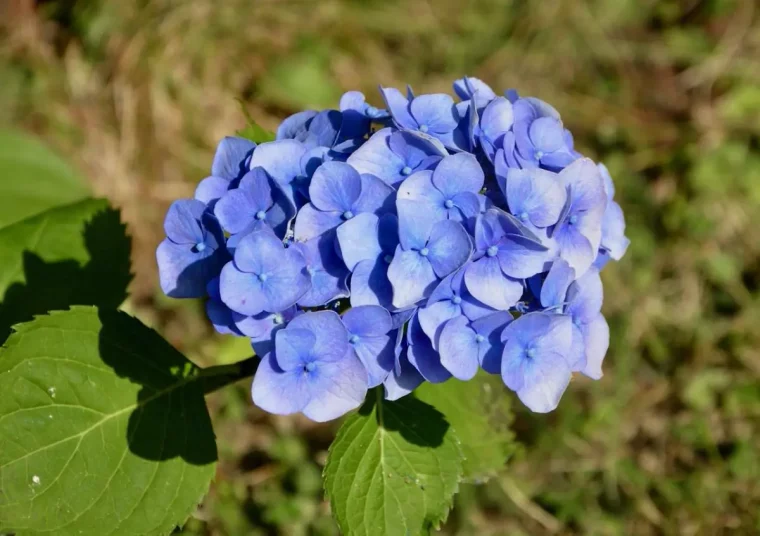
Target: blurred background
[136, 94]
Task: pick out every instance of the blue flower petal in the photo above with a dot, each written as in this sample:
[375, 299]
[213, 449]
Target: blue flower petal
[422, 355]
[535, 196]
[282, 161]
[449, 247]
[277, 391]
[312, 222]
[376, 196]
[231, 157]
[336, 389]
[459, 348]
[358, 239]
[211, 189]
[294, 347]
[554, 288]
[370, 284]
[458, 173]
[497, 120]
[295, 127]
[183, 221]
[367, 320]
[375, 157]
[412, 277]
[398, 106]
[433, 316]
[434, 113]
[488, 284]
[335, 186]
[490, 347]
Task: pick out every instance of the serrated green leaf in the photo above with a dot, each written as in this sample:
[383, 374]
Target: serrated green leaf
[103, 428]
[76, 254]
[479, 411]
[33, 179]
[252, 130]
[393, 468]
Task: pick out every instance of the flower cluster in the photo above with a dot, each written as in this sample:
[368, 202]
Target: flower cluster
[368, 247]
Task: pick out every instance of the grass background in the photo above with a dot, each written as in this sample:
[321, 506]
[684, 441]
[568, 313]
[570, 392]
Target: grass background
[136, 93]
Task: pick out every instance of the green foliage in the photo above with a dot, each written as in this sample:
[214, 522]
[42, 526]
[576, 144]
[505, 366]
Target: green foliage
[33, 179]
[479, 411]
[393, 468]
[252, 130]
[106, 431]
[76, 254]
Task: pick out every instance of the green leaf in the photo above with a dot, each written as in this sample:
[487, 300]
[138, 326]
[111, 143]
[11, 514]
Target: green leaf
[393, 468]
[252, 130]
[479, 411]
[103, 428]
[76, 254]
[33, 178]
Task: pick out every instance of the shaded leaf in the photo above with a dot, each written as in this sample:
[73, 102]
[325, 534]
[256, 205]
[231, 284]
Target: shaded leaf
[76, 254]
[479, 411]
[103, 428]
[34, 179]
[393, 468]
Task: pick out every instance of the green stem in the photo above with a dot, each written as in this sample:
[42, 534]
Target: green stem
[217, 377]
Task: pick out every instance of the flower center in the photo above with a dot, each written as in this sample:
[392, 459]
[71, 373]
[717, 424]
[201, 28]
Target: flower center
[278, 319]
[371, 111]
[311, 270]
[347, 215]
[406, 170]
[260, 215]
[539, 155]
[263, 277]
[479, 338]
[353, 339]
[573, 219]
[456, 300]
[309, 367]
[448, 203]
[530, 352]
[423, 128]
[492, 251]
[388, 258]
[523, 216]
[200, 247]
[424, 252]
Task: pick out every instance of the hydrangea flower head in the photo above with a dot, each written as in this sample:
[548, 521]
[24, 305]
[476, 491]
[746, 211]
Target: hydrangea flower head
[372, 247]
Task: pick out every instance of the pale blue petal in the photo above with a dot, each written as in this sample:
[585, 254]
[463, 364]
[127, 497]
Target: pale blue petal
[335, 186]
[419, 190]
[545, 383]
[367, 320]
[458, 173]
[358, 239]
[535, 196]
[422, 356]
[312, 222]
[277, 391]
[433, 316]
[497, 119]
[398, 106]
[370, 284]
[230, 158]
[416, 222]
[377, 355]
[520, 258]
[211, 189]
[182, 223]
[336, 389]
[282, 161]
[490, 347]
[295, 127]
[554, 288]
[596, 338]
[294, 347]
[331, 336]
[436, 112]
[402, 382]
[412, 277]
[459, 349]
[376, 196]
[449, 247]
[375, 157]
[488, 284]
[585, 296]
[184, 272]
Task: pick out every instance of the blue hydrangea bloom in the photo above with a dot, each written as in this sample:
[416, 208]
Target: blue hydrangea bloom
[451, 191]
[536, 359]
[505, 253]
[450, 299]
[256, 203]
[393, 155]
[231, 162]
[338, 193]
[538, 138]
[327, 273]
[312, 370]
[192, 253]
[435, 115]
[369, 334]
[367, 244]
[450, 236]
[263, 276]
[464, 346]
[428, 251]
[578, 234]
